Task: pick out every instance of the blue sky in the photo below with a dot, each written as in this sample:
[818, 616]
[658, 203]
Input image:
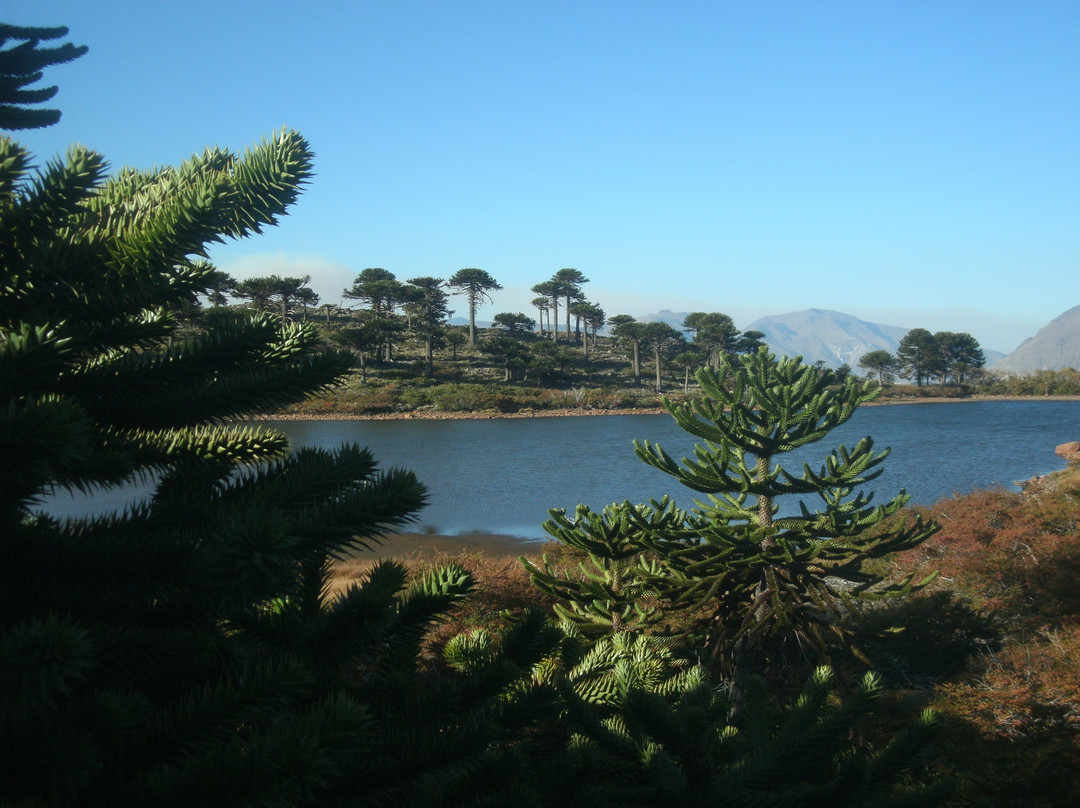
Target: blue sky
[910, 163]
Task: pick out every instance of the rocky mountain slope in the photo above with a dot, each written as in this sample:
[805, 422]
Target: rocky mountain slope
[827, 336]
[814, 334]
[1054, 347]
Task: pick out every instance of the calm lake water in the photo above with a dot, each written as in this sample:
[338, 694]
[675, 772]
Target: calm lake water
[502, 476]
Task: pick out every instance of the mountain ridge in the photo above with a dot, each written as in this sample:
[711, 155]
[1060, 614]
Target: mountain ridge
[1055, 346]
[817, 335]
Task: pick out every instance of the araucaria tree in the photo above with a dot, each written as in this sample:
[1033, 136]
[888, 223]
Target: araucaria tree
[179, 652]
[714, 334]
[880, 362]
[474, 284]
[427, 310]
[21, 66]
[631, 333]
[766, 584]
[918, 355]
[960, 355]
[567, 282]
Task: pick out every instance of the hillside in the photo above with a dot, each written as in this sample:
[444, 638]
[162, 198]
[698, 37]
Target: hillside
[1056, 346]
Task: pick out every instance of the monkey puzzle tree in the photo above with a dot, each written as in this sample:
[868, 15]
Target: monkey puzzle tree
[568, 282]
[181, 651]
[382, 290]
[662, 338]
[21, 65]
[263, 291]
[513, 322]
[543, 306]
[376, 286]
[765, 585]
[428, 312]
[750, 341]
[631, 333]
[960, 354]
[880, 362]
[218, 288]
[714, 334]
[918, 355]
[552, 291]
[474, 284]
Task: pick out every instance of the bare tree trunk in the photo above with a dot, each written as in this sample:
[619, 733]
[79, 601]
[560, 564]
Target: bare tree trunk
[764, 503]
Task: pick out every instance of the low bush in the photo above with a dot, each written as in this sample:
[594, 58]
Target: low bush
[1011, 714]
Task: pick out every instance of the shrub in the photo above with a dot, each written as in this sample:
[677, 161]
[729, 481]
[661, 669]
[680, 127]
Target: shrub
[1011, 717]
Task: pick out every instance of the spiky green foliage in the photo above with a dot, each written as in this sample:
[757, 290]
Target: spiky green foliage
[22, 65]
[471, 733]
[609, 589]
[763, 588]
[183, 651]
[648, 737]
[637, 726]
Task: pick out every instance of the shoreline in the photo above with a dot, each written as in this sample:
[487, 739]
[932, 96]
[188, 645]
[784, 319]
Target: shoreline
[490, 415]
[392, 545]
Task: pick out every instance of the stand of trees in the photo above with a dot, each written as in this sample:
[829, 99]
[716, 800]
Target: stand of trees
[922, 356]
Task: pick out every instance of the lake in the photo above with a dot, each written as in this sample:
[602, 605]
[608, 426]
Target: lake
[502, 475]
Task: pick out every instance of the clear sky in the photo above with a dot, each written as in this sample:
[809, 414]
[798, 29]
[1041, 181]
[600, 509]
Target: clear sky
[910, 163]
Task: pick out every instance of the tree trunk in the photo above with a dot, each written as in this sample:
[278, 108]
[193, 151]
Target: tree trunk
[637, 362]
[659, 388]
[764, 503]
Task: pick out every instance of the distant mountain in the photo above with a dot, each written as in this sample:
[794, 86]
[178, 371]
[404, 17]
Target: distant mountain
[465, 321]
[814, 334]
[672, 318]
[827, 336]
[1055, 346]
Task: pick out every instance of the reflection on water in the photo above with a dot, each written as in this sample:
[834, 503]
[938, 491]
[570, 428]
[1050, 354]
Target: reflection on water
[502, 475]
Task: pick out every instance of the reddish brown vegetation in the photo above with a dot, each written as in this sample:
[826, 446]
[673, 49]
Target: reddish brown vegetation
[1013, 714]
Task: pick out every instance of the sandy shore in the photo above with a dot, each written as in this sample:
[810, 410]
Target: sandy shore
[565, 413]
[427, 545]
[486, 415]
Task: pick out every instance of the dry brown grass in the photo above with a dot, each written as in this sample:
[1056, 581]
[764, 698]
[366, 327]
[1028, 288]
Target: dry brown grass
[502, 586]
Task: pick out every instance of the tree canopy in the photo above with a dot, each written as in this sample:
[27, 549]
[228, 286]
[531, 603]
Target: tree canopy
[474, 284]
[880, 362]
